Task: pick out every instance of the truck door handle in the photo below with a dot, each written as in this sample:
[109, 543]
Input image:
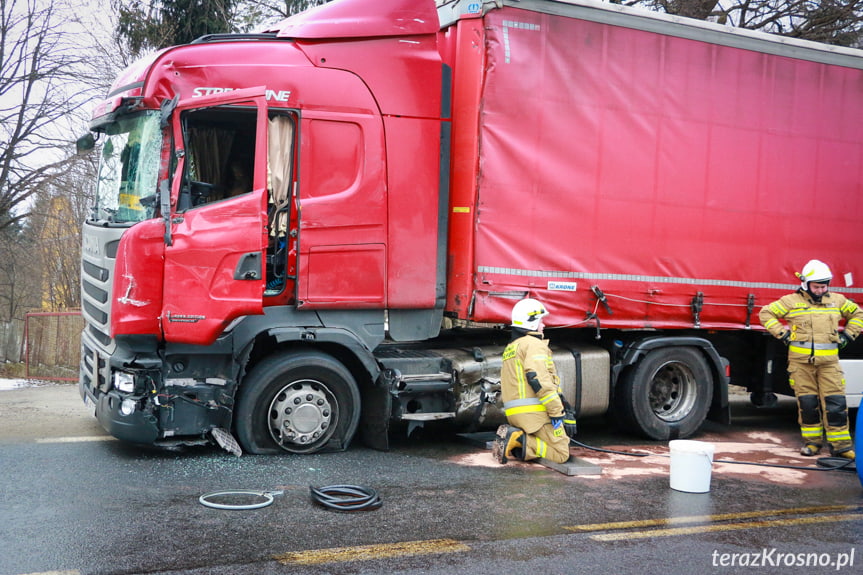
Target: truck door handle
[249, 267]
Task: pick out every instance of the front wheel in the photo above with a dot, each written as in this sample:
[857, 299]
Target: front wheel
[299, 402]
[666, 395]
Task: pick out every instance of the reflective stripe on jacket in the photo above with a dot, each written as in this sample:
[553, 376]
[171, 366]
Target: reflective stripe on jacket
[524, 407]
[813, 326]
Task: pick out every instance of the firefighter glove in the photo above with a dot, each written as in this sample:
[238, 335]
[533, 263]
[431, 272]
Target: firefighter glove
[569, 423]
[786, 338]
[557, 423]
[844, 339]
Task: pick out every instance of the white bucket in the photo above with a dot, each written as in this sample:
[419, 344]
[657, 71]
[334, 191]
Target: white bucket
[691, 463]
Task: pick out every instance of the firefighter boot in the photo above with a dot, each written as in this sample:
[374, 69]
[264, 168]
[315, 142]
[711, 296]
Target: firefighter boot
[508, 443]
[847, 453]
[810, 449]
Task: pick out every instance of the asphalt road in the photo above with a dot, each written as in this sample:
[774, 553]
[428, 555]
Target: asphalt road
[75, 502]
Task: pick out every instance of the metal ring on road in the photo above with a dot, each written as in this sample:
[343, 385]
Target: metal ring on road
[267, 495]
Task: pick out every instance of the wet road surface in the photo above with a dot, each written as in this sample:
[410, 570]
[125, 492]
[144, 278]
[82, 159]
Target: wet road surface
[76, 502]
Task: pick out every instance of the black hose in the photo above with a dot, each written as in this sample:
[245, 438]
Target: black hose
[826, 463]
[601, 450]
[838, 463]
[825, 467]
[346, 497]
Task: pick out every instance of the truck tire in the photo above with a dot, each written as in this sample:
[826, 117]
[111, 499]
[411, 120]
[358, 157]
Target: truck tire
[297, 401]
[666, 395]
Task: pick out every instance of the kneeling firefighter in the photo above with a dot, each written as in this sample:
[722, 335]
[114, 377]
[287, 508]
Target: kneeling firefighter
[540, 420]
[812, 315]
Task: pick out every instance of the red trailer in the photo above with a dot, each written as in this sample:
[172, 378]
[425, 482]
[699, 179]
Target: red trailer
[322, 227]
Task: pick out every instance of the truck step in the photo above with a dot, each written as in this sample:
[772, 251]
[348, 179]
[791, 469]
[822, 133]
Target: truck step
[432, 416]
[575, 466]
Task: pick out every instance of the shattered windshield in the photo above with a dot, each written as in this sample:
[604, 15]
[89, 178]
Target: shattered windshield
[129, 169]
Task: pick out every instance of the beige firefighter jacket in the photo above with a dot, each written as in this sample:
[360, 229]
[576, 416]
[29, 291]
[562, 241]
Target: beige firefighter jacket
[813, 327]
[525, 360]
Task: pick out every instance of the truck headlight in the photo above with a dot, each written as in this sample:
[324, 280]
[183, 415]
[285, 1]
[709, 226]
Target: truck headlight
[124, 382]
[127, 407]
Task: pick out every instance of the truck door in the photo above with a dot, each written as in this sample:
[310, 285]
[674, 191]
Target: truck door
[214, 259]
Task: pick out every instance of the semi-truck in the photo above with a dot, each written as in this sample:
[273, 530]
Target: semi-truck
[316, 232]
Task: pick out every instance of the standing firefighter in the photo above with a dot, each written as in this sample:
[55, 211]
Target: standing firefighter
[812, 335]
[539, 418]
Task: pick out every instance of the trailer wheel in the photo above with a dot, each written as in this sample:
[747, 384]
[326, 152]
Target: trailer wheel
[666, 395]
[299, 402]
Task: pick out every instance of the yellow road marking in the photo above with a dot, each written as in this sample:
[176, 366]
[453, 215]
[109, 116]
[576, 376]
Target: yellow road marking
[724, 527]
[368, 552]
[708, 518]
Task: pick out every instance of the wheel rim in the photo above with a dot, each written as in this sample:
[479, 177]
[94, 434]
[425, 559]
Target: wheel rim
[302, 416]
[673, 391]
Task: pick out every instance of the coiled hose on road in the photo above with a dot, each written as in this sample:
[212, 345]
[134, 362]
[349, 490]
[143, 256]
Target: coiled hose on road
[346, 497]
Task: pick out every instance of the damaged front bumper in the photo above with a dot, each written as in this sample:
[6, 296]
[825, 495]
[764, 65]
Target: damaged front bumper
[135, 403]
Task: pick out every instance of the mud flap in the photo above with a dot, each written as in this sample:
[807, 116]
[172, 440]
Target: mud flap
[720, 406]
[375, 419]
[720, 413]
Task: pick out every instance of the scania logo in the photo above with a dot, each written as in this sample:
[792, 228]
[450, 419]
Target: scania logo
[91, 246]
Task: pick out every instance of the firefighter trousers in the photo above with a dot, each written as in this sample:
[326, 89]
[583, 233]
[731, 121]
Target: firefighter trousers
[822, 411]
[543, 443]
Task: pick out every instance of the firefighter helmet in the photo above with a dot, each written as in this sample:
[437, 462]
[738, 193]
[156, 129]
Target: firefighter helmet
[814, 271]
[527, 313]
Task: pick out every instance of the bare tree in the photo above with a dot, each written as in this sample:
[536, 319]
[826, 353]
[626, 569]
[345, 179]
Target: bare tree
[55, 223]
[838, 22]
[19, 274]
[40, 90]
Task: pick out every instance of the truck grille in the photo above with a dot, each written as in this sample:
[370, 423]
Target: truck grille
[97, 271]
[93, 363]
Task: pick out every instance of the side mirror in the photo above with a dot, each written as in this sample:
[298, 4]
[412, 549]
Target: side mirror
[85, 143]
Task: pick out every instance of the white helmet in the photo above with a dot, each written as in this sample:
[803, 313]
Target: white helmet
[527, 313]
[814, 271]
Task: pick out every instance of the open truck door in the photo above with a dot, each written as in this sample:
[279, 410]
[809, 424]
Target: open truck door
[216, 237]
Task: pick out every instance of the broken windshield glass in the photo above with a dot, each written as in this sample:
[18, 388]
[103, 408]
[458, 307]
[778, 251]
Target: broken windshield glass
[129, 169]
